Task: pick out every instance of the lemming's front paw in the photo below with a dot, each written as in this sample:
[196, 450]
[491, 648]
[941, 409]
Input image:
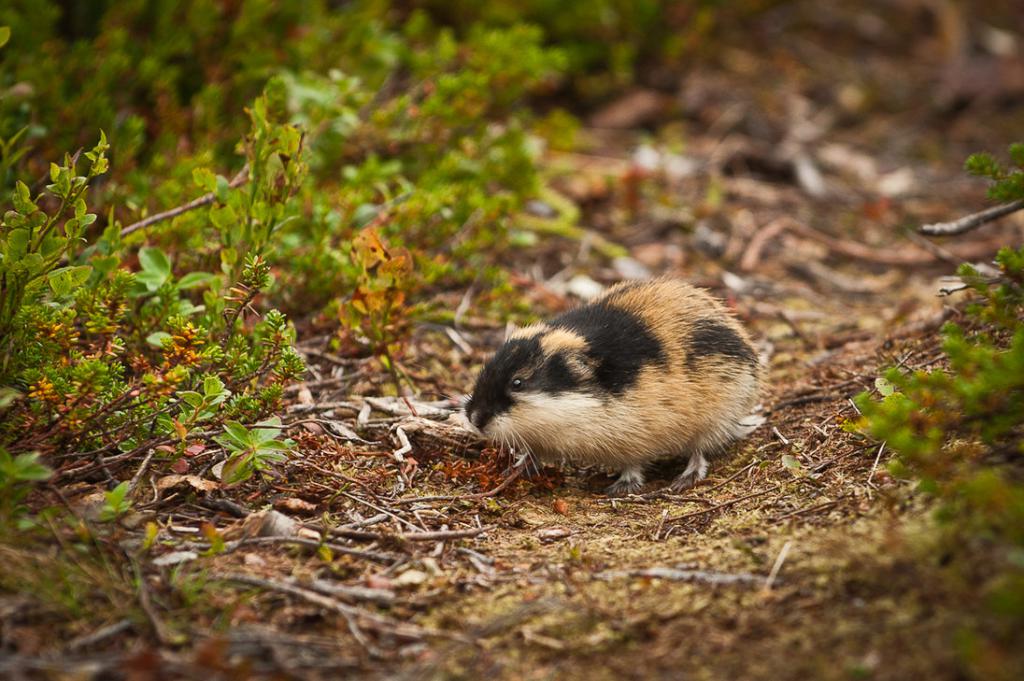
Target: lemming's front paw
[685, 481]
[622, 487]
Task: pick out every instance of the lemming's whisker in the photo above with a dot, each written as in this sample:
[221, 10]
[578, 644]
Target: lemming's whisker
[526, 457]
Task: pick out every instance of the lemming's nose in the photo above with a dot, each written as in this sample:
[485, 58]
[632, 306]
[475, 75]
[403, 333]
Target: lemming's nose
[478, 418]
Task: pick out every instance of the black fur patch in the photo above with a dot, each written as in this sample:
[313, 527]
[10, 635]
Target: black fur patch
[491, 395]
[618, 341]
[555, 376]
[711, 337]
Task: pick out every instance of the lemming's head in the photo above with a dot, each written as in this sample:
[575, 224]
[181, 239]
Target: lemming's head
[532, 383]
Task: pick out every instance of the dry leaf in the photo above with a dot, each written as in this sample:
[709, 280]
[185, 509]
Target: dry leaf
[175, 558]
[194, 481]
[253, 560]
[411, 578]
[560, 506]
[379, 582]
[295, 505]
[553, 533]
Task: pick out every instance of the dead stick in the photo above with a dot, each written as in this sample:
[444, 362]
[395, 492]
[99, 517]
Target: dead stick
[408, 536]
[348, 612]
[972, 221]
[241, 178]
[724, 504]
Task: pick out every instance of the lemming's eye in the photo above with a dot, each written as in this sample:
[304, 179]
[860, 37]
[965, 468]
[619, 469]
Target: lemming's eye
[517, 383]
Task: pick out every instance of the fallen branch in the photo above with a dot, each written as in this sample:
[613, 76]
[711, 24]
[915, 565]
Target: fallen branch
[679, 575]
[348, 612]
[241, 178]
[440, 535]
[723, 505]
[373, 556]
[900, 257]
[972, 221]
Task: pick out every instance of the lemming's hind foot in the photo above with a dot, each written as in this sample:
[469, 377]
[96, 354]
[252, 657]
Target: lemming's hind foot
[695, 471]
[630, 481]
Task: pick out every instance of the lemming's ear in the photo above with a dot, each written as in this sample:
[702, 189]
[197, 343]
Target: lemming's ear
[580, 364]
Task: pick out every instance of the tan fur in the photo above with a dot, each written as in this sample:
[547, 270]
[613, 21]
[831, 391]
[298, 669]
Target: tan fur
[679, 410]
[528, 331]
[561, 339]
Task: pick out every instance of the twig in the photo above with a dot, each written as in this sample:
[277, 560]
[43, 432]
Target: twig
[408, 536]
[777, 566]
[972, 221]
[382, 558]
[380, 510]
[142, 471]
[804, 511]
[353, 593]
[348, 612]
[679, 575]
[159, 628]
[903, 257]
[661, 523]
[100, 635]
[241, 178]
[875, 465]
[724, 504]
[752, 254]
[406, 447]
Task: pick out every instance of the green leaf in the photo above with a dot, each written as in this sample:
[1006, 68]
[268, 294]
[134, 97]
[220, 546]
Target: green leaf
[157, 338]
[22, 198]
[237, 469]
[106, 264]
[196, 279]
[64, 280]
[1017, 154]
[116, 503]
[22, 468]
[5, 35]
[237, 433]
[155, 260]
[792, 463]
[884, 386]
[156, 269]
[204, 179]
[7, 396]
[212, 386]
[222, 188]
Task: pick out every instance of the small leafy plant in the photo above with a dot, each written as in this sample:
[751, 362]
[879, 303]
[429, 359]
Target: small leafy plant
[252, 449]
[17, 475]
[376, 317]
[35, 238]
[1007, 181]
[116, 502]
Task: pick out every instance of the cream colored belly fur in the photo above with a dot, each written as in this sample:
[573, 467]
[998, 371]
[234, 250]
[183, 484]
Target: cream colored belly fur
[666, 419]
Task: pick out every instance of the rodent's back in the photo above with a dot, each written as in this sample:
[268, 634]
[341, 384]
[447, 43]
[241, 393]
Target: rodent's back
[694, 328]
[678, 373]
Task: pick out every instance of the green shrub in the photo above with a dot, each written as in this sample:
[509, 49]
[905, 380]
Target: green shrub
[960, 432]
[105, 358]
